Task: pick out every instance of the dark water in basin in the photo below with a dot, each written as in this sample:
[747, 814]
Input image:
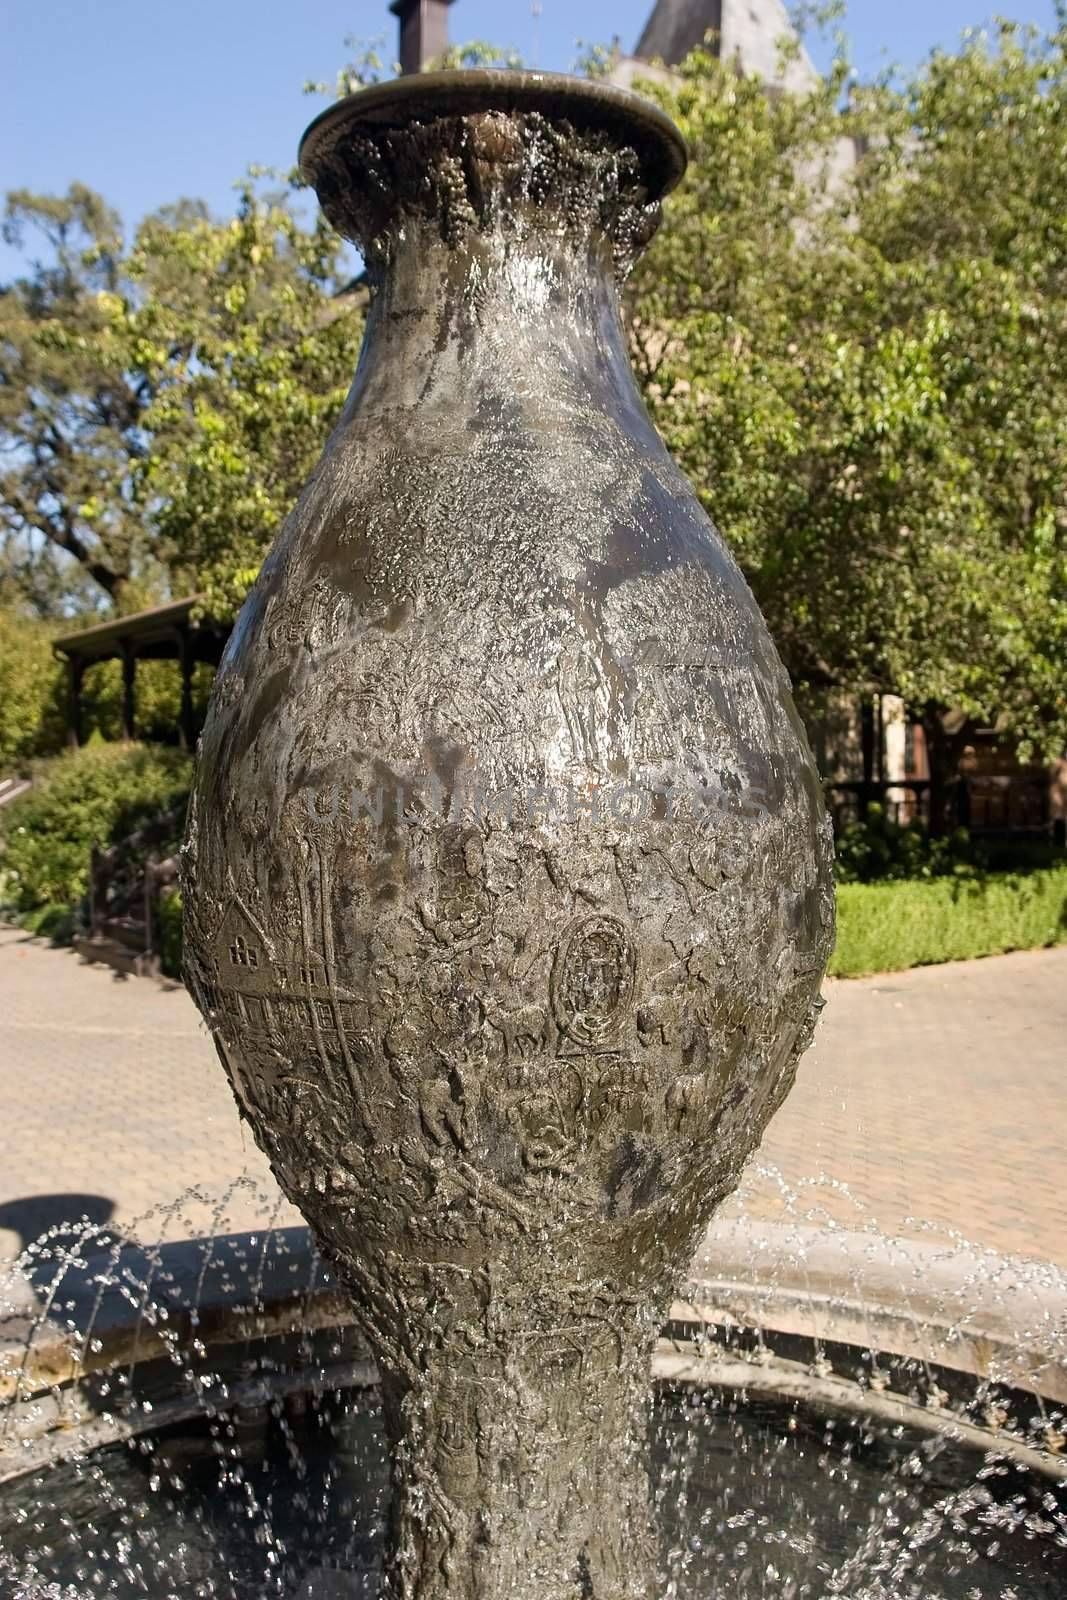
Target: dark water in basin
[754, 1501]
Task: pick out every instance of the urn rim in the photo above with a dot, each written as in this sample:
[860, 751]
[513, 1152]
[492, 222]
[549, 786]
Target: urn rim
[426, 96]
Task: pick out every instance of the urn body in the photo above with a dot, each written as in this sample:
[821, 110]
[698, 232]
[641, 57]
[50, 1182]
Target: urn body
[507, 878]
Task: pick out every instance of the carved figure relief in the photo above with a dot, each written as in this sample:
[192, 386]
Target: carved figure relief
[584, 699]
[456, 913]
[313, 621]
[655, 736]
[593, 979]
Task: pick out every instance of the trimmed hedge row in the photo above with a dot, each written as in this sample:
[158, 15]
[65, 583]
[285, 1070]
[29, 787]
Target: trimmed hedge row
[888, 927]
[104, 791]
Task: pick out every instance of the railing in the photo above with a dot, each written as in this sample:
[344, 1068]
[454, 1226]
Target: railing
[11, 788]
[1006, 804]
[126, 884]
[905, 801]
[983, 804]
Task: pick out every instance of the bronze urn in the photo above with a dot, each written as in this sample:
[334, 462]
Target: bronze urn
[507, 879]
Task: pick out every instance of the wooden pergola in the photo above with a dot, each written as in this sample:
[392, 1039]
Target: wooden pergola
[165, 633]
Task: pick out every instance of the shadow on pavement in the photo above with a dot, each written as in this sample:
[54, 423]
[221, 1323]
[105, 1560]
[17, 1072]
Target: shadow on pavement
[61, 1217]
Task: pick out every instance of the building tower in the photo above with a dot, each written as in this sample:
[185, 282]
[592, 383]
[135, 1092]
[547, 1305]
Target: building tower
[745, 31]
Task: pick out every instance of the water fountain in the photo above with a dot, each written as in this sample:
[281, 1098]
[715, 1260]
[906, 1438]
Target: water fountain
[508, 902]
[833, 1415]
[507, 882]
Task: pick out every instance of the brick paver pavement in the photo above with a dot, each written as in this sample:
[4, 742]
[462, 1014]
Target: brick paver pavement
[111, 1094]
[933, 1099]
[938, 1097]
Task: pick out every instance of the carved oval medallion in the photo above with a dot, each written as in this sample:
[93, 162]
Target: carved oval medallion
[593, 979]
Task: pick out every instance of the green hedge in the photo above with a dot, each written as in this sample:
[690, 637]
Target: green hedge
[888, 927]
[32, 693]
[101, 793]
[877, 848]
[96, 795]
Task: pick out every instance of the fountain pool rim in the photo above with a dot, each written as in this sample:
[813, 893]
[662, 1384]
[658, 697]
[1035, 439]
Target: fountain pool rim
[825, 1317]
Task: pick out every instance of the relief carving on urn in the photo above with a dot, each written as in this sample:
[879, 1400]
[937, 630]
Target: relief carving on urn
[593, 979]
[507, 876]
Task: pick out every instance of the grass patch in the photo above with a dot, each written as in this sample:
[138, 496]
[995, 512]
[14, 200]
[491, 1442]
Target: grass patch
[890, 926]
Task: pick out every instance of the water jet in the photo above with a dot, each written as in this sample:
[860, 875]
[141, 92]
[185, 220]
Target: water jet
[203, 1418]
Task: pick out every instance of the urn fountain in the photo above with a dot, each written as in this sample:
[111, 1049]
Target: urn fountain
[507, 879]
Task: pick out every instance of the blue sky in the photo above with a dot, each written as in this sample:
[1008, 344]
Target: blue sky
[147, 101]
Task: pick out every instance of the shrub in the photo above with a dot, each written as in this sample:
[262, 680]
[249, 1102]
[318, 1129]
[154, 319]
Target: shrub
[158, 713]
[33, 693]
[877, 847]
[93, 796]
[888, 927]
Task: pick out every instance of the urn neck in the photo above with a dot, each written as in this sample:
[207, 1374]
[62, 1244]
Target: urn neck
[494, 329]
[523, 1472]
[496, 212]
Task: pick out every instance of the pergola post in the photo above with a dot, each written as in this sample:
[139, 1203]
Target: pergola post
[186, 725]
[129, 690]
[75, 674]
[162, 633]
[867, 748]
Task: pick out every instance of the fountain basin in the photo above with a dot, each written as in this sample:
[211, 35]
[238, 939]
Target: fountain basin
[828, 1408]
[755, 1497]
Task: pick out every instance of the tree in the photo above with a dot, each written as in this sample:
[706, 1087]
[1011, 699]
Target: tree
[161, 405]
[865, 372]
[250, 349]
[32, 690]
[70, 406]
[368, 65]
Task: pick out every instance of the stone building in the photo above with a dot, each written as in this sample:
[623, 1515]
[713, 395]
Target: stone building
[747, 32]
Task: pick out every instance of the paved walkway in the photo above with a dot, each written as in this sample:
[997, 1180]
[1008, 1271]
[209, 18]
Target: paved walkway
[932, 1101]
[938, 1097]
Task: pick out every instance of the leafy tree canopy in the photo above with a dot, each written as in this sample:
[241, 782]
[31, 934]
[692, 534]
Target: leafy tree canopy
[31, 691]
[251, 357]
[162, 403]
[864, 368]
[861, 366]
